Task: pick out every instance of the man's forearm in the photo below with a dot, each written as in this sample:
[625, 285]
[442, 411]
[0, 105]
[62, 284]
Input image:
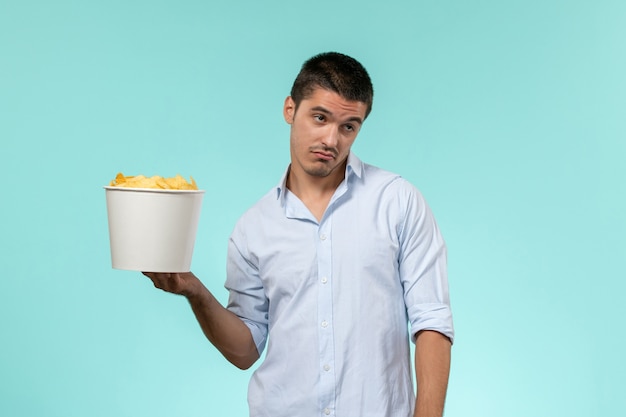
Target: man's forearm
[224, 329]
[228, 333]
[432, 369]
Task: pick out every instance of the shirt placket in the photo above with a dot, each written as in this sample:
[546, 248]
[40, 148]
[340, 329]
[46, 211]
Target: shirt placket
[325, 320]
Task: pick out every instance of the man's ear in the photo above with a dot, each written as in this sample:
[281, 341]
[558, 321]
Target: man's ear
[289, 110]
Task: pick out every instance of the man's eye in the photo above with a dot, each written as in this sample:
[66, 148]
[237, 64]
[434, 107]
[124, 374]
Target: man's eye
[319, 117]
[349, 128]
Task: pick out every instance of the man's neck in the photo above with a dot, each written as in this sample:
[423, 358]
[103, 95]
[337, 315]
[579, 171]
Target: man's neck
[314, 192]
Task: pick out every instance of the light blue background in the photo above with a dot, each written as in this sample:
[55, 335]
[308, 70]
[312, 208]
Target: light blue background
[508, 115]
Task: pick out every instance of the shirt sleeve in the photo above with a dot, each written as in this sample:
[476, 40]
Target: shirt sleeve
[423, 267]
[246, 293]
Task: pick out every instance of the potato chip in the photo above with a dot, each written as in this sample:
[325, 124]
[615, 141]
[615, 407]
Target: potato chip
[156, 181]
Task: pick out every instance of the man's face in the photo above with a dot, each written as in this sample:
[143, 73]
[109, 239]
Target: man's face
[323, 129]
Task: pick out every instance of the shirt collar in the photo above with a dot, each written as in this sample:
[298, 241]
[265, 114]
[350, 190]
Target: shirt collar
[353, 167]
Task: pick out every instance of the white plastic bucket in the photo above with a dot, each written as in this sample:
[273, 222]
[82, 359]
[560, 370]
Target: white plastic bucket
[152, 230]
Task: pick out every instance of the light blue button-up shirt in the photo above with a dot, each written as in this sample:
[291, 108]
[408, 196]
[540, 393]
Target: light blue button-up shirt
[337, 301]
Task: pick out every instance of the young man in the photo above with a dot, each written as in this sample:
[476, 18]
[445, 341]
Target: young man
[327, 270]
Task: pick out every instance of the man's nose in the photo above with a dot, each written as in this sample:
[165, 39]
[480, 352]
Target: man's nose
[331, 137]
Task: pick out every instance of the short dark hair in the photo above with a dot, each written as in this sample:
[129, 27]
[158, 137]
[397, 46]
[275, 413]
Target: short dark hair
[334, 72]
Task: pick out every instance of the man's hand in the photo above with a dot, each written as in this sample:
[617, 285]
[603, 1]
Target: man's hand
[184, 283]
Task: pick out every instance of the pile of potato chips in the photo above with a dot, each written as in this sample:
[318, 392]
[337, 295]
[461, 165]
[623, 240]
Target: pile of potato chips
[140, 181]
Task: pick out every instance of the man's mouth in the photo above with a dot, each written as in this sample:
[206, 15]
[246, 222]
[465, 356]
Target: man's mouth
[324, 154]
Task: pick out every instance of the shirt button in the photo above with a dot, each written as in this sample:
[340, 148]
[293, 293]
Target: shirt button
[324, 323]
[324, 280]
[326, 411]
[327, 368]
[323, 236]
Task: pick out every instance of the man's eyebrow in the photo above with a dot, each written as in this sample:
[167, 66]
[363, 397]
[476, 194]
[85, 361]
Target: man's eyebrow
[324, 110]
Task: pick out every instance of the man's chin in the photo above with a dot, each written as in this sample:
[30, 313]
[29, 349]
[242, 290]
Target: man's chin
[319, 172]
[322, 168]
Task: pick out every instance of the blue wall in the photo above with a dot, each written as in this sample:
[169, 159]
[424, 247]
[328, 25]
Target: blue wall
[509, 116]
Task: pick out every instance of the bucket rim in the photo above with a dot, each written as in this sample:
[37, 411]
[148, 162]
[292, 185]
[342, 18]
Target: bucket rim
[152, 190]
